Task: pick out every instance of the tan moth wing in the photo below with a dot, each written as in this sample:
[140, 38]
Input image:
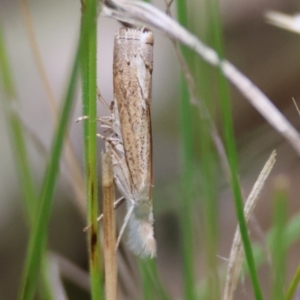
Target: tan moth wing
[132, 91]
[133, 64]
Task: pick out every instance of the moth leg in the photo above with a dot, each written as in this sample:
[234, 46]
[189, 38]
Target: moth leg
[113, 141]
[117, 203]
[105, 121]
[81, 119]
[101, 99]
[126, 220]
[99, 119]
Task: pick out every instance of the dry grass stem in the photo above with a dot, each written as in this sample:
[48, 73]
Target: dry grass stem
[284, 21]
[237, 253]
[297, 108]
[54, 280]
[141, 13]
[109, 228]
[70, 271]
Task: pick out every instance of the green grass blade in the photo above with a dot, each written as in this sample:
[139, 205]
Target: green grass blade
[44, 290]
[278, 249]
[232, 155]
[293, 285]
[152, 287]
[187, 186]
[20, 153]
[17, 135]
[89, 88]
[187, 142]
[146, 280]
[8, 83]
[292, 235]
[203, 77]
[208, 192]
[39, 231]
[230, 144]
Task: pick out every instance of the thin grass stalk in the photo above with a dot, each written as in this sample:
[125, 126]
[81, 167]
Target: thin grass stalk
[296, 279]
[39, 232]
[45, 287]
[232, 155]
[146, 280]
[293, 285]
[152, 286]
[89, 89]
[208, 182]
[237, 254]
[8, 83]
[159, 288]
[238, 200]
[109, 228]
[210, 213]
[204, 76]
[278, 249]
[17, 135]
[204, 122]
[20, 153]
[282, 20]
[292, 233]
[187, 146]
[186, 204]
[207, 131]
[77, 181]
[202, 107]
[25, 179]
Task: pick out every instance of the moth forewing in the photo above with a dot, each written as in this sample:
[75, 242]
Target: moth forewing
[132, 73]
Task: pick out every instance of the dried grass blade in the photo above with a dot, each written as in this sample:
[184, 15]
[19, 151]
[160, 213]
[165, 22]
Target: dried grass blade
[237, 253]
[284, 21]
[109, 227]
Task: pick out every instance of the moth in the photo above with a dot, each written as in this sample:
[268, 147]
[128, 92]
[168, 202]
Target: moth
[130, 143]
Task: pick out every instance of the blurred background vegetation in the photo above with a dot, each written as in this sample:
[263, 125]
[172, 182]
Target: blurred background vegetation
[267, 55]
